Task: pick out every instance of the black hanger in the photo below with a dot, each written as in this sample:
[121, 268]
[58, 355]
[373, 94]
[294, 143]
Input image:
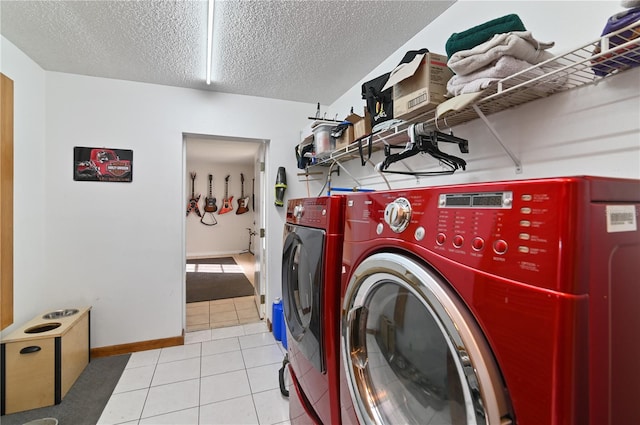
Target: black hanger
[425, 141]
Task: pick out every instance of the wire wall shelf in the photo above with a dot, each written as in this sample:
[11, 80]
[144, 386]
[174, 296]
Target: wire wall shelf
[589, 64]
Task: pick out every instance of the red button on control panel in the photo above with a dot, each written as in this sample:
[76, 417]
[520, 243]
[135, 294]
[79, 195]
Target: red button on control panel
[477, 243]
[500, 246]
[458, 241]
[440, 238]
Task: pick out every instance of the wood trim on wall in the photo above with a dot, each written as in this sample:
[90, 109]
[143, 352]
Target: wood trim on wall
[6, 201]
[114, 350]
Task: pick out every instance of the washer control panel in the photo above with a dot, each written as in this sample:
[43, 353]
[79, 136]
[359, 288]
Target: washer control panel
[308, 211]
[495, 226]
[325, 212]
[514, 229]
[471, 210]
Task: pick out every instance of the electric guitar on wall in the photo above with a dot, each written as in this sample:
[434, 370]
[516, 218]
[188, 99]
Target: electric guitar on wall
[193, 202]
[210, 202]
[242, 201]
[227, 205]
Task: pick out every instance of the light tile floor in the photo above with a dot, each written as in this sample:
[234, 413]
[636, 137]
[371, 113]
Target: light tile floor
[221, 313]
[220, 376]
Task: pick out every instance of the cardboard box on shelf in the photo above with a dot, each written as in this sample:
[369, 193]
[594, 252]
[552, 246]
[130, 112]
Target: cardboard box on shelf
[346, 138]
[353, 118]
[362, 127]
[420, 85]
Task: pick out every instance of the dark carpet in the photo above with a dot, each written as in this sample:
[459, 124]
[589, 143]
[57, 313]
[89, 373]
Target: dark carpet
[221, 260]
[217, 283]
[86, 399]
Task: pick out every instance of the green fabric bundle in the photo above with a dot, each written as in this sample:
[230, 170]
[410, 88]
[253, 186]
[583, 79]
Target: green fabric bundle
[479, 34]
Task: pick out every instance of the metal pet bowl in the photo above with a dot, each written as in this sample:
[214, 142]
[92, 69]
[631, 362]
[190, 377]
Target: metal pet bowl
[60, 313]
[43, 327]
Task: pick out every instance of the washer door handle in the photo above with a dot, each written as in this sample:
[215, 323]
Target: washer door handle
[30, 349]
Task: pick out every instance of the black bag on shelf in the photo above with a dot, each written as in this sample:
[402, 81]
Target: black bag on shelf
[380, 103]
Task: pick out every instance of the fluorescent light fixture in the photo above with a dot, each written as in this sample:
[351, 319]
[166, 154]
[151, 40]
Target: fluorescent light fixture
[209, 39]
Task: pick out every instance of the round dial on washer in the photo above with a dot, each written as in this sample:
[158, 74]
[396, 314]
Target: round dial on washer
[397, 214]
[297, 211]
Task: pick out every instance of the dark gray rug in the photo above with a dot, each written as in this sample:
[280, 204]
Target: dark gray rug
[216, 284]
[86, 399]
[220, 260]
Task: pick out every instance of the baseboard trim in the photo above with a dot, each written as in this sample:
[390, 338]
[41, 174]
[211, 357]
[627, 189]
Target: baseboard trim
[114, 350]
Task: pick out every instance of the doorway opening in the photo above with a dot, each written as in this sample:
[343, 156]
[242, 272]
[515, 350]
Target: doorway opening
[224, 256]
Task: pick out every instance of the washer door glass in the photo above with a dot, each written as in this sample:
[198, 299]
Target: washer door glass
[412, 353]
[301, 287]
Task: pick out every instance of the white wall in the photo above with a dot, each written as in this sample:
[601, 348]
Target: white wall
[592, 130]
[230, 234]
[119, 246]
[136, 249]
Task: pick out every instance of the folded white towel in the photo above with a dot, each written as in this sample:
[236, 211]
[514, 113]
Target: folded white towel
[481, 79]
[505, 67]
[518, 44]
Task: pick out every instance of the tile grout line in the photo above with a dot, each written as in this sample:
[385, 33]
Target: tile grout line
[155, 368]
[200, 384]
[246, 372]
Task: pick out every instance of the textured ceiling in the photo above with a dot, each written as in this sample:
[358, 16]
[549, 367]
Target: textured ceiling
[307, 51]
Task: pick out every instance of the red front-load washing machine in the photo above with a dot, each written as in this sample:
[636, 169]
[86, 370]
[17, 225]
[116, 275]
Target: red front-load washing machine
[311, 263]
[510, 302]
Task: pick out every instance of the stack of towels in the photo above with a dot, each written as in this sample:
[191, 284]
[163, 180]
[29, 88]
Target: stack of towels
[487, 53]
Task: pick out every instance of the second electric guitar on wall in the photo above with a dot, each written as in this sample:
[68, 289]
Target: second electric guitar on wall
[208, 219]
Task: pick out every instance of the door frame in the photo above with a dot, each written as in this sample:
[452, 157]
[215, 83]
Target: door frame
[260, 217]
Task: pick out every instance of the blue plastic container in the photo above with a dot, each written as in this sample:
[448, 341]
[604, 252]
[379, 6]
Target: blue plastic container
[277, 319]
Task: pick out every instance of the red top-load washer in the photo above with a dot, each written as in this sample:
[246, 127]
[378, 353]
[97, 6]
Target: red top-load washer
[493, 303]
[311, 263]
